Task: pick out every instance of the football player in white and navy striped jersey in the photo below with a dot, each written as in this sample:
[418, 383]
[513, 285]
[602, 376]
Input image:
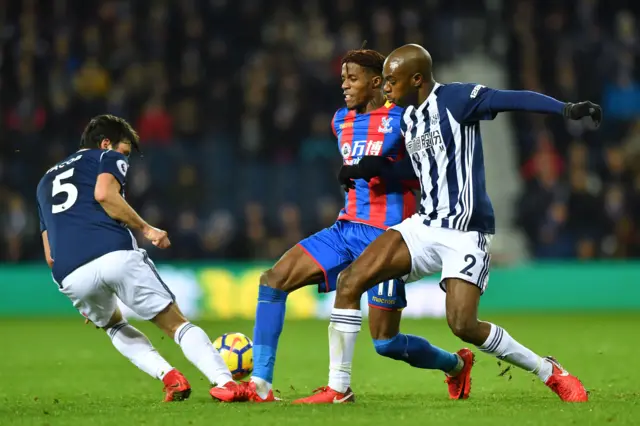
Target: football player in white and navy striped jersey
[451, 233]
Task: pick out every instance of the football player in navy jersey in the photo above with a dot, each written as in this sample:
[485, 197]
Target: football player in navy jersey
[452, 231]
[85, 223]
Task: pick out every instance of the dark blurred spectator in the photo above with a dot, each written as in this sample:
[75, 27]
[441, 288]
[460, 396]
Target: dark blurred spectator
[14, 227]
[155, 125]
[220, 236]
[584, 209]
[320, 144]
[255, 233]
[92, 80]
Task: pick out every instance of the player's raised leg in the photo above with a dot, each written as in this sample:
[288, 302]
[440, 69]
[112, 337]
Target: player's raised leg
[295, 269]
[462, 315]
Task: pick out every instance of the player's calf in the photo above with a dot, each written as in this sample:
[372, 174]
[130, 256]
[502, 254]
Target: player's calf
[136, 347]
[467, 328]
[418, 352]
[195, 344]
[461, 304]
[462, 311]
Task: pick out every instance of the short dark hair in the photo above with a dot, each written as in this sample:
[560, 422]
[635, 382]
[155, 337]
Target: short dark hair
[107, 126]
[366, 58]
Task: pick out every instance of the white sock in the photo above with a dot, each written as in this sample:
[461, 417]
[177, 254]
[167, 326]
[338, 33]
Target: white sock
[343, 331]
[134, 345]
[198, 349]
[262, 386]
[458, 368]
[501, 345]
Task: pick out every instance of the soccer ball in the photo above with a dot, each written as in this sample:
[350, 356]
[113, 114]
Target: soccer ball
[237, 351]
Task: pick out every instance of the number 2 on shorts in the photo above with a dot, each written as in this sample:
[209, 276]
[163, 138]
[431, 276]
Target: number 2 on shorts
[471, 260]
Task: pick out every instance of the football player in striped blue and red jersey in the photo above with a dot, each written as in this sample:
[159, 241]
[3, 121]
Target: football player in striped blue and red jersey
[366, 126]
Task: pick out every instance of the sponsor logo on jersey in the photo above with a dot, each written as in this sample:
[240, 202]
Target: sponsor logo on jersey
[360, 148]
[475, 91]
[345, 150]
[427, 141]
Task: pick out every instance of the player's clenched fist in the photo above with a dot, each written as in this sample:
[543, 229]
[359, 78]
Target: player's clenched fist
[158, 237]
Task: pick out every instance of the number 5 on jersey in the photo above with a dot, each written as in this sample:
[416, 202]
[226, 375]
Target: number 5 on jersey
[64, 188]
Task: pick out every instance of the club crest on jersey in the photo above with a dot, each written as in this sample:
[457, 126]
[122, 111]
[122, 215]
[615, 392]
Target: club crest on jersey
[122, 167]
[435, 119]
[385, 127]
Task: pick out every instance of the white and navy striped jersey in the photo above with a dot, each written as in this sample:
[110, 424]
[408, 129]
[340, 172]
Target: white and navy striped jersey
[442, 137]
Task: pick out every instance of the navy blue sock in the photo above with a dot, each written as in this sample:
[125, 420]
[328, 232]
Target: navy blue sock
[266, 332]
[417, 352]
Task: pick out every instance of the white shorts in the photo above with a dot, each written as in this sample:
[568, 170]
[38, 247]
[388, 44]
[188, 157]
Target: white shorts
[126, 274]
[458, 254]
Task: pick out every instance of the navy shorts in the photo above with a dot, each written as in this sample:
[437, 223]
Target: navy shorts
[334, 248]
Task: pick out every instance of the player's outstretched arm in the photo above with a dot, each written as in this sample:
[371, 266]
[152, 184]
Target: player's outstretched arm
[107, 193]
[470, 102]
[526, 100]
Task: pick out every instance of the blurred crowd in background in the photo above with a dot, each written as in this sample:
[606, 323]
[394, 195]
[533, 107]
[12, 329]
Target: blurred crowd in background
[233, 102]
[582, 191]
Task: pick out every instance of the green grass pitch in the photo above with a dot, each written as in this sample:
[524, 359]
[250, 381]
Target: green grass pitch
[59, 372]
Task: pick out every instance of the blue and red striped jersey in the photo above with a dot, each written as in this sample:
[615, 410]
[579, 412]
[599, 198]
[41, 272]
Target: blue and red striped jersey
[379, 203]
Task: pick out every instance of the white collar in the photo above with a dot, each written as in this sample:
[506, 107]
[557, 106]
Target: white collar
[432, 97]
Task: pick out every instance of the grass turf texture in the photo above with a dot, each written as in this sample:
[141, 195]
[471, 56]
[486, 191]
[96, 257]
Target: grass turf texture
[58, 372]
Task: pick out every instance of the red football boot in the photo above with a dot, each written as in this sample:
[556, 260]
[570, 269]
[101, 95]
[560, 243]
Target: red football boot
[460, 384]
[252, 394]
[326, 395]
[568, 387]
[176, 386]
[230, 392]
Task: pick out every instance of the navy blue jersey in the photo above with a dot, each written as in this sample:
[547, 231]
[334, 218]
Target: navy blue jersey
[442, 137]
[78, 228]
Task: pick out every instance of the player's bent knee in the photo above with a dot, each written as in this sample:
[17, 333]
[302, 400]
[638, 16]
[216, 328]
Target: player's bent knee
[347, 286]
[169, 319]
[390, 348]
[115, 319]
[273, 279]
